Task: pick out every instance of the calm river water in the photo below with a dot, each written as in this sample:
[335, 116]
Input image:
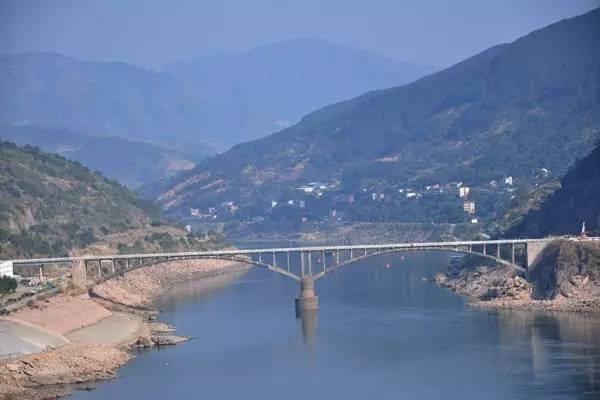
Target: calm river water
[380, 333]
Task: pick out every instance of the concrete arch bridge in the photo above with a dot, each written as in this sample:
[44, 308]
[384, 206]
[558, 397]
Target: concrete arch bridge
[303, 264]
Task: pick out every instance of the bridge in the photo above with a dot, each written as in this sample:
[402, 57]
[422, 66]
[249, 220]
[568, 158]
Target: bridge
[303, 264]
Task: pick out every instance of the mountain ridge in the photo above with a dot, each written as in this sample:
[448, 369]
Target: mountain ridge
[538, 93]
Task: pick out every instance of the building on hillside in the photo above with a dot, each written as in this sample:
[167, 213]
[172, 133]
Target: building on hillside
[474, 220]
[306, 189]
[411, 195]
[508, 180]
[463, 191]
[6, 269]
[469, 207]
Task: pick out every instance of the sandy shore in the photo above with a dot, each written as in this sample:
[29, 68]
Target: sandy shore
[85, 337]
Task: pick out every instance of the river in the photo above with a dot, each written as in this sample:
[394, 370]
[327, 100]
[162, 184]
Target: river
[381, 331]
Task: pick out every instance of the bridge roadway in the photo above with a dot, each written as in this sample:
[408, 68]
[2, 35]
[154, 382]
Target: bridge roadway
[329, 258]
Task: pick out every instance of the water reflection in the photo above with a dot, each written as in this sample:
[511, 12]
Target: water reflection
[568, 342]
[186, 291]
[308, 321]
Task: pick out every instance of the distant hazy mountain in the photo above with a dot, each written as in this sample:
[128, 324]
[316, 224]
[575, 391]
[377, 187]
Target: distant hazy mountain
[512, 109]
[111, 99]
[131, 163]
[266, 89]
[202, 106]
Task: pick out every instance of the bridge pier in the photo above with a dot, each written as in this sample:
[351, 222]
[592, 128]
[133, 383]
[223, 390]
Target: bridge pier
[307, 299]
[79, 274]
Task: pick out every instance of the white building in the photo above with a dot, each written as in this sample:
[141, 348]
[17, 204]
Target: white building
[6, 268]
[410, 195]
[463, 191]
[469, 207]
[508, 180]
[306, 189]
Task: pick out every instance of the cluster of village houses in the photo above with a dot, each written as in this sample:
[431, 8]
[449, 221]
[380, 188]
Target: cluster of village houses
[317, 189]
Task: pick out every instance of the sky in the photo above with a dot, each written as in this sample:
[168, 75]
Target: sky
[149, 33]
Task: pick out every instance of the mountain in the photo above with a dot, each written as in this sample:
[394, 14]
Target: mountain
[130, 162]
[110, 99]
[51, 206]
[508, 112]
[576, 200]
[252, 94]
[198, 107]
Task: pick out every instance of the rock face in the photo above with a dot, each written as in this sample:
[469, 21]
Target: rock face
[28, 377]
[486, 283]
[564, 266]
[566, 278]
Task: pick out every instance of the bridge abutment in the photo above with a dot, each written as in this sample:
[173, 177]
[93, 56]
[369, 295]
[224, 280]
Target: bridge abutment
[307, 299]
[534, 249]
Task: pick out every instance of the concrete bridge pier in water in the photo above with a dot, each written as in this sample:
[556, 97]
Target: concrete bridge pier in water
[307, 299]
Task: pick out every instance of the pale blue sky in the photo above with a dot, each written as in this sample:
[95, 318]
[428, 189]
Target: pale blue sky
[151, 32]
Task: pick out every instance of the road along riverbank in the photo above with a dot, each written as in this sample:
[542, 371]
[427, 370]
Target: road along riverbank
[87, 336]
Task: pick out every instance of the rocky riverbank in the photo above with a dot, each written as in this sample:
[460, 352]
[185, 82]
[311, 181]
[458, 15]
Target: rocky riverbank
[565, 278]
[102, 329]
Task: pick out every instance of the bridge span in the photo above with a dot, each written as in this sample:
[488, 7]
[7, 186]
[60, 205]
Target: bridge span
[313, 262]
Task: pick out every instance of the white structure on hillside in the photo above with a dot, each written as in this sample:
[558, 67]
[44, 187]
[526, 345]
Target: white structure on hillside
[6, 268]
[508, 180]
[463, 191]
[469, 207]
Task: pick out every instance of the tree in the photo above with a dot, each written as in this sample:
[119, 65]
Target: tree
[7, 284]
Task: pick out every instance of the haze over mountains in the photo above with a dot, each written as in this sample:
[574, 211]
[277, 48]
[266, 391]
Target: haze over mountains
[201, 106]
[132, 163]
[511, 110]
[249, 95]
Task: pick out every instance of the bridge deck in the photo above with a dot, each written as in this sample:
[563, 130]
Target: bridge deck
[247, 252]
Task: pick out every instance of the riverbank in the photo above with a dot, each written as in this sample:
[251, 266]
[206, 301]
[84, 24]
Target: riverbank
[566, 277]
[100, 330]
[500, 288]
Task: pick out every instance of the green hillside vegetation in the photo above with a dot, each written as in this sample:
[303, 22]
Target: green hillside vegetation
[50, 206]
[565, 209]
[508, 111]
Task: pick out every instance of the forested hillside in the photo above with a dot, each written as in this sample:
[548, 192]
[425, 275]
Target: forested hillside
[577, 200]
[511, 111]
[50, 206]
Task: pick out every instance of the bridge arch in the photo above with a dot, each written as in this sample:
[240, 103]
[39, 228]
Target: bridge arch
[408, 249]
[242, 260]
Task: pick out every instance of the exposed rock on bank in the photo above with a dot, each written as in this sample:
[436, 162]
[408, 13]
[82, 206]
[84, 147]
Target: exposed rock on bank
[565, 278]
[51, 373]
